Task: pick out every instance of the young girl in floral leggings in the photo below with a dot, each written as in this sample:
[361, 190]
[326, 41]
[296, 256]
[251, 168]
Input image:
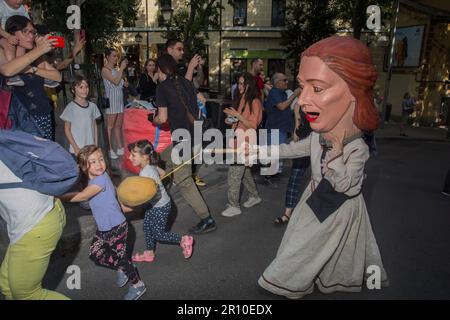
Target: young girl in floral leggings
[143, 155]
[109, 246]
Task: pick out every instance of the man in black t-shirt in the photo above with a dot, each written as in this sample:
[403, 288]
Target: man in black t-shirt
[175, 97]
[175, 48]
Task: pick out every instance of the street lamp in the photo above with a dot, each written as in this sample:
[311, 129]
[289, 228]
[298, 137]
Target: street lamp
[166, 12]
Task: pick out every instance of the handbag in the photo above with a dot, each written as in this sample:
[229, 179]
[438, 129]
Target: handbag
[104, 102]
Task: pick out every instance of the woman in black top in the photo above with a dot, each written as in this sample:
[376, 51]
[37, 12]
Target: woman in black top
[148, 80]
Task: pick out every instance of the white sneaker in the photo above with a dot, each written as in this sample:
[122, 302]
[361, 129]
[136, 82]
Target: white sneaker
[120, 152]
[252, 201]
[231, 211]
[113, 155]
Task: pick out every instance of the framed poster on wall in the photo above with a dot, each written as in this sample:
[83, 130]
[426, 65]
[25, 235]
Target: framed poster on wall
[408, 47]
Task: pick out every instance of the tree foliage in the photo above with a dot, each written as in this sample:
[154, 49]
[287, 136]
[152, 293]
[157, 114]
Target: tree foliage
[307, 21]
[353, 13]
[191, 24]
[100, 18]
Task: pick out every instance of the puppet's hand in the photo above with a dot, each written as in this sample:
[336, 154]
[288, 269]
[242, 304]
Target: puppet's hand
[337, 142]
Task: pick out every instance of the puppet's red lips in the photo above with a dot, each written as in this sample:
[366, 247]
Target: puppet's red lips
[312, 116]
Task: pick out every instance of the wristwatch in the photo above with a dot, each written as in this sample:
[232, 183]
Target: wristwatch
[34, 70]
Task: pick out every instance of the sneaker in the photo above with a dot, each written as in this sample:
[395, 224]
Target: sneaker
[186, 244]
[122, 278]
[204, 226]
[113, 155]
[252, 201]
[135, 292]
[50, 83]
[198, 181]
[85, 205]
[446, 193]
[15, 81]
[120, 152]
[231, 211]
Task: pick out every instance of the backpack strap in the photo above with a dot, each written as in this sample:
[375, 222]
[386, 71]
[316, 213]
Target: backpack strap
[12, 185]
[155, 144]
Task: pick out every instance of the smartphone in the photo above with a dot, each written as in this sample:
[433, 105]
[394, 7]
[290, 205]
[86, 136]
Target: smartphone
[58, 36]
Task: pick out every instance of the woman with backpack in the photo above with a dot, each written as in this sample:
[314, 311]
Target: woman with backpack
[35, 224]
[35, 220]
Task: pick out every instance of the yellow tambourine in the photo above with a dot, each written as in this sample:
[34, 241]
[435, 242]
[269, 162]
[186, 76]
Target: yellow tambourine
[135, 191]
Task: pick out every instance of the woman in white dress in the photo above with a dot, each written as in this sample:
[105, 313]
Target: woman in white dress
[113, 82]
[329, 240]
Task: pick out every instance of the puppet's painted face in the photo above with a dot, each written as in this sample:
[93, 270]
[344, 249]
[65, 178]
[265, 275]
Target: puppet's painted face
[325, 96]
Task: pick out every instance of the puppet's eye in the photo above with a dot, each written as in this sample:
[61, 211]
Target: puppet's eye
[317, 89]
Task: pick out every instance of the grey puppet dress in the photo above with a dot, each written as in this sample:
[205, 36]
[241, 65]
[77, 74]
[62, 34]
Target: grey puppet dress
[333, 254]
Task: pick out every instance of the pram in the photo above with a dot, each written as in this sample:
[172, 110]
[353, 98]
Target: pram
[137, 127]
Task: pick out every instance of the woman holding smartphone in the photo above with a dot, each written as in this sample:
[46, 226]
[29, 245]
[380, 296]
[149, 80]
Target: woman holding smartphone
[34, 70]
[113, 82]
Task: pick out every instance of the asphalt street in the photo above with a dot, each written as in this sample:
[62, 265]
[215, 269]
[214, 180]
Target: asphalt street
[410, 217]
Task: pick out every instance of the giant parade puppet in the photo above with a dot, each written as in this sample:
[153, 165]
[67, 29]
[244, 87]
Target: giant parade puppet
[329, 241]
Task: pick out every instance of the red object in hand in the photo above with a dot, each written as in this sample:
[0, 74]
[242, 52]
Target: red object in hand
[60, 43]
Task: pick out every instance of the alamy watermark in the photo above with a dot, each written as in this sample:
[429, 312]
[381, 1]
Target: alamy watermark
[374, 280]
[374, 20]
[74, 280]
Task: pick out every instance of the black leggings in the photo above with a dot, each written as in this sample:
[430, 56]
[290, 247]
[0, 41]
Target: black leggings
[109, 249]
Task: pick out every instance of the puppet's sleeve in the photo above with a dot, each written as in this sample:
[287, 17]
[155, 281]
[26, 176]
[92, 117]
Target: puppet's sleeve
[296, 149]
[345, 174]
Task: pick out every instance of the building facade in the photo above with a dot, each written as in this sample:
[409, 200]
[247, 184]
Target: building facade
[252, 28]
[249, 30]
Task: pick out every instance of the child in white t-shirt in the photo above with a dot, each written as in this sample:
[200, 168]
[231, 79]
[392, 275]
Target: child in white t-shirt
[79, 117]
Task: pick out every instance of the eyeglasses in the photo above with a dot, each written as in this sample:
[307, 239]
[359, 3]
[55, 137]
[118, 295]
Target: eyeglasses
[26, 32]
[284, 80]
[241, 83]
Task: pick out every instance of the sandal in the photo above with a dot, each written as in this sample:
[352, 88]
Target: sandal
[143, 257]
[186, 244]
[282, 220]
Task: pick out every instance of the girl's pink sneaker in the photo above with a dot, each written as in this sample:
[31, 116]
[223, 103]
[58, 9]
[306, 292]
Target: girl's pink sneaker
[186, 244]
[145, 257]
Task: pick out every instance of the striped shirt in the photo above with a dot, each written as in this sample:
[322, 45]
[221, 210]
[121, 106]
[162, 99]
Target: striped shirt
[114, 93]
